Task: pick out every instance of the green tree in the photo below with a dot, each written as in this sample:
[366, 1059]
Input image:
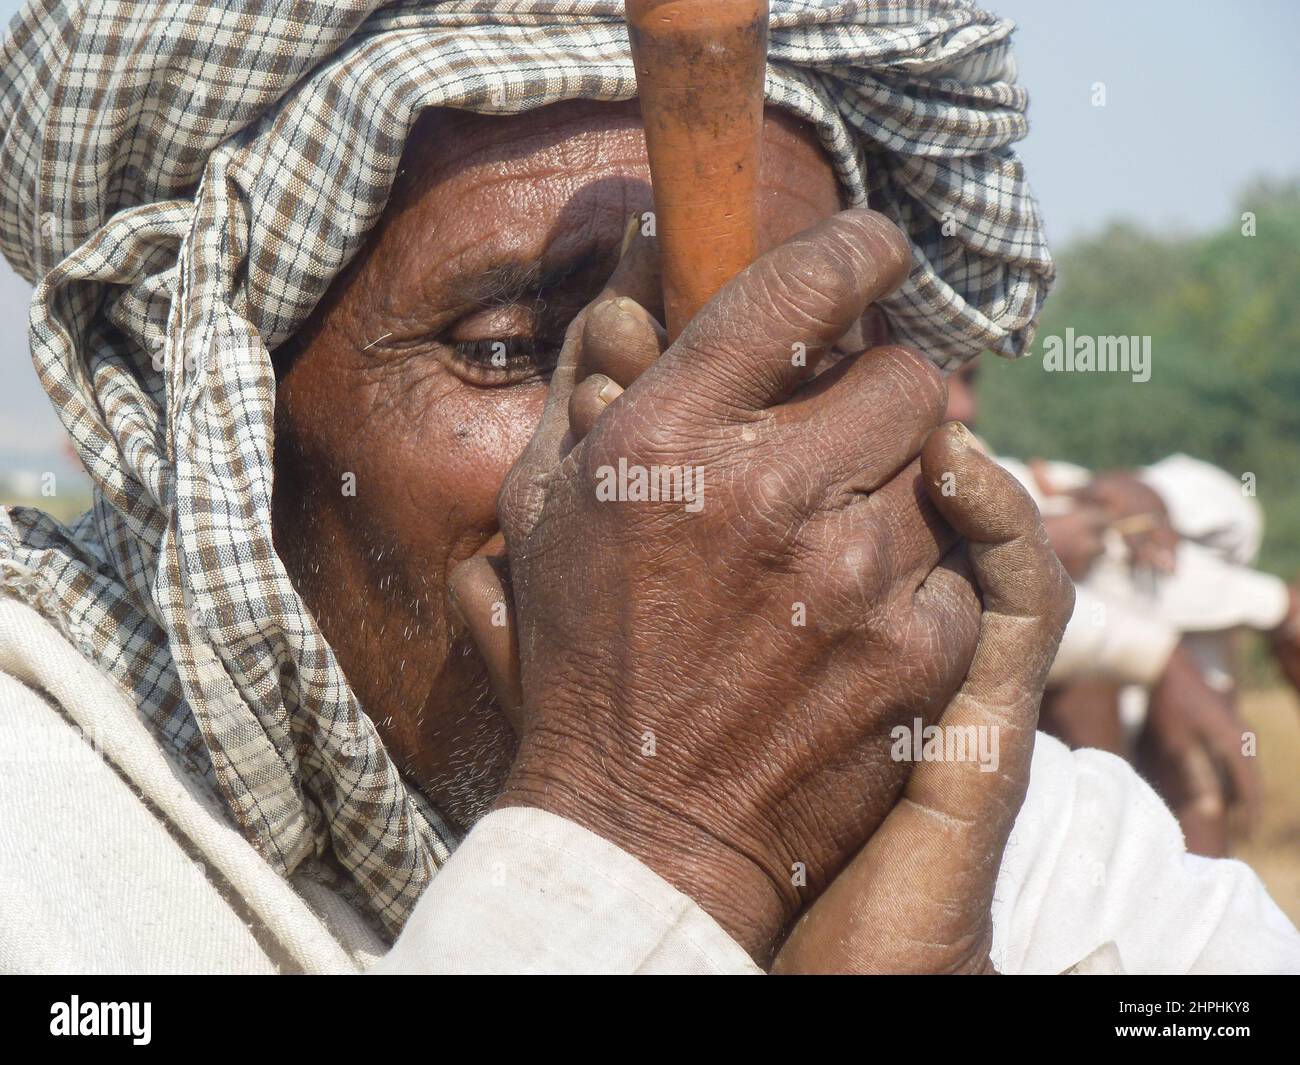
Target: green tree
[1222, 313]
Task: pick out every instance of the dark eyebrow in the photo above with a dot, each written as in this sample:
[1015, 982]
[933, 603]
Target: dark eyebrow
[508, 283]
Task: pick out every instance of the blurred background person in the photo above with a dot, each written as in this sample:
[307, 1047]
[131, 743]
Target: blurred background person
[1162, 558]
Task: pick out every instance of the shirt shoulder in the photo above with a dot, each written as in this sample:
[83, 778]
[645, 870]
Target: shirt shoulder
[1096, 858]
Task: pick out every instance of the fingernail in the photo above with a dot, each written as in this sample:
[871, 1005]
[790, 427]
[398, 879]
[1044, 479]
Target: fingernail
[606, 307]
[968, 440]
[629, 308]
[609, 391]
[629, 232]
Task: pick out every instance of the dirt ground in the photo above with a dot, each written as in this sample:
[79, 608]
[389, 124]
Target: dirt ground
[1274, 849]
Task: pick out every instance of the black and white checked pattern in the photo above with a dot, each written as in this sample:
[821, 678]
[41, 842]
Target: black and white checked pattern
[183, 180]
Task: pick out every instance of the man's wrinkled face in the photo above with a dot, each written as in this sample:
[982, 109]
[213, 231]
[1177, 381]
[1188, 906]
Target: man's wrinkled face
[419, 379]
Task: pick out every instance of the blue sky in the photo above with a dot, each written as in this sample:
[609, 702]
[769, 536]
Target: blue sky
[1200, 99]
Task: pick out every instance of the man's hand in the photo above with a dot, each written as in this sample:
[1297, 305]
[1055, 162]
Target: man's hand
[1135, 510]
[1191, 749]
[1285, 640]
[609, 345]
[918, 897]
[1076, 537]
[710, 680]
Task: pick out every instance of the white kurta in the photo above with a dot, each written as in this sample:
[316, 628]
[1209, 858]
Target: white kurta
[1124, 630]
[124, 863]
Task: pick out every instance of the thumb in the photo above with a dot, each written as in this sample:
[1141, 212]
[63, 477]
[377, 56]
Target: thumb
[480, 592]
[920, 892]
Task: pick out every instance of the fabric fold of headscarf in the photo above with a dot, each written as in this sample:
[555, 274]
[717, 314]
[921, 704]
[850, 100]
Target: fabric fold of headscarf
[183, 180]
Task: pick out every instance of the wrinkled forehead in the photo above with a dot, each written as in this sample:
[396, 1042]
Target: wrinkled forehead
[579, 164]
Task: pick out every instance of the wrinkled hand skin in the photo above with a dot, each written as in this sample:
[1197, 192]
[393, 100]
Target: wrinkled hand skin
[646, 627]
[918, 898]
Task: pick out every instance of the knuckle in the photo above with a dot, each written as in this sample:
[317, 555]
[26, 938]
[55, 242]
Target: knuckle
[770, 498]
[952, 605]
[901, 640]
[857, 573]
[918, 380]
[762, 511]
[652, 440]
[774, 490]
[809, 290]
[767, 484]
[884, 243]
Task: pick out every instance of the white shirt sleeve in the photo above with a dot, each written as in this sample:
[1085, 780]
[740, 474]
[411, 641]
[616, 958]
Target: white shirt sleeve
[529, 892]
[1095, 878]
[1106, 640]
[1096, 868]
[1207, 594]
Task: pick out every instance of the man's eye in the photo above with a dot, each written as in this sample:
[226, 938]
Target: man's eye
[505, 361]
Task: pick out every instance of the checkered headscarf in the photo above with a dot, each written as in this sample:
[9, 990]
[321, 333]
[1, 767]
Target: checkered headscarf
[182, 179]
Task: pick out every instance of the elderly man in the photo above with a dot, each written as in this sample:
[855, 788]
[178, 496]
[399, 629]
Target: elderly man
[367, 236]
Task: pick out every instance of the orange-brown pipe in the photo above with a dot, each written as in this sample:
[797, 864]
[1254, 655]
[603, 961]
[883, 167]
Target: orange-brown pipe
[699, 72]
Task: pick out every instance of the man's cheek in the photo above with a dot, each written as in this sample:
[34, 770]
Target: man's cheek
[486, 435]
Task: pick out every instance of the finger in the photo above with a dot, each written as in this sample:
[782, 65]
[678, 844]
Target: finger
[621, 337]
[588, 402]
[521, 493]
[910, 534]
[621, 341]
[948, 603]
[479, 589]
[636, 277]
[943, 842]
[1018, 571]
[1027, 601]
[877, 407]
[763, 334]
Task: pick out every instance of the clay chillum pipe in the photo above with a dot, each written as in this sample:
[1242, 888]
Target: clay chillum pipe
[700, 66]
